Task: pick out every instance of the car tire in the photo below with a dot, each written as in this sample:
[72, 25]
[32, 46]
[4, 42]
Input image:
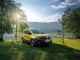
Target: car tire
[23, 40]
[32, 43]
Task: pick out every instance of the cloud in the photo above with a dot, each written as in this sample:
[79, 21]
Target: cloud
[58, 7]
[70, 2]
[33, 16]
[54, 1]
[51, 18]
[65, 4]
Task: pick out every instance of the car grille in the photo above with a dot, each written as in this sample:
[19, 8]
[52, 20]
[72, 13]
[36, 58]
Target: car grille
[45, 37]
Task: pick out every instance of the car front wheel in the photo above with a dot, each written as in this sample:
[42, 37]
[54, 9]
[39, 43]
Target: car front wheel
[32, 43]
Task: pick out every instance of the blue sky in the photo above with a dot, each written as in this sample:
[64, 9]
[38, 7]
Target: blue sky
[46, 10]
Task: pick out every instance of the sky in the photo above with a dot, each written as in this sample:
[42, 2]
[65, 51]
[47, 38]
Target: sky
[46, 10]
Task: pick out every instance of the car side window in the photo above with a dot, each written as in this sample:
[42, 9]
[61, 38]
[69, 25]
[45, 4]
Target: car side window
[26, 31]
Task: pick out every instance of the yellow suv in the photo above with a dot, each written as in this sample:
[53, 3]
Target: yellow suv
[36, 37]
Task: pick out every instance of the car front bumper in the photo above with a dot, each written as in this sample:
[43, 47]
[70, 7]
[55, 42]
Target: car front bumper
[43, 42]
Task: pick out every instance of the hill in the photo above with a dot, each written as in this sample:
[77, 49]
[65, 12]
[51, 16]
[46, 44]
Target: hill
[51, 27]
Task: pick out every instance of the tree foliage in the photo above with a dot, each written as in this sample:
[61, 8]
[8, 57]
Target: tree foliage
[8, 11]
[71, 21]
[22, 26]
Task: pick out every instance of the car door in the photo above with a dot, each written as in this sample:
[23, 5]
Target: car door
[27, 36]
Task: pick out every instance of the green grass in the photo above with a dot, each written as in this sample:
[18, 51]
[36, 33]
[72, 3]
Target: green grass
[17, 50]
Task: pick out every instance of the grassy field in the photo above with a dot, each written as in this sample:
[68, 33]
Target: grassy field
[17, 50]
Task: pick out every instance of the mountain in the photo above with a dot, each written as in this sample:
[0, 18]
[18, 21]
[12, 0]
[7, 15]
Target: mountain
[50, 27]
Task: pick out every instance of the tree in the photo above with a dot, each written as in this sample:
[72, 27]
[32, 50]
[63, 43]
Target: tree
[71, 21]
[63, 29]
[6, 9]
[22, 26]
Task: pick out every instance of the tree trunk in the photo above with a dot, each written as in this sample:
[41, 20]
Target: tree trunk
[63, 36]
[1, 37]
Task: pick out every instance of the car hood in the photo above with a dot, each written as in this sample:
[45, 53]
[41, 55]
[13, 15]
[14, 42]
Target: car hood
[38, 35]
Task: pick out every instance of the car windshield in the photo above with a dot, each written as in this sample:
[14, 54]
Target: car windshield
[36, 31]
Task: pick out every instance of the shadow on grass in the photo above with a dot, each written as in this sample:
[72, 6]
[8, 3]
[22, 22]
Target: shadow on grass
[60, 52]
[19, 51]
